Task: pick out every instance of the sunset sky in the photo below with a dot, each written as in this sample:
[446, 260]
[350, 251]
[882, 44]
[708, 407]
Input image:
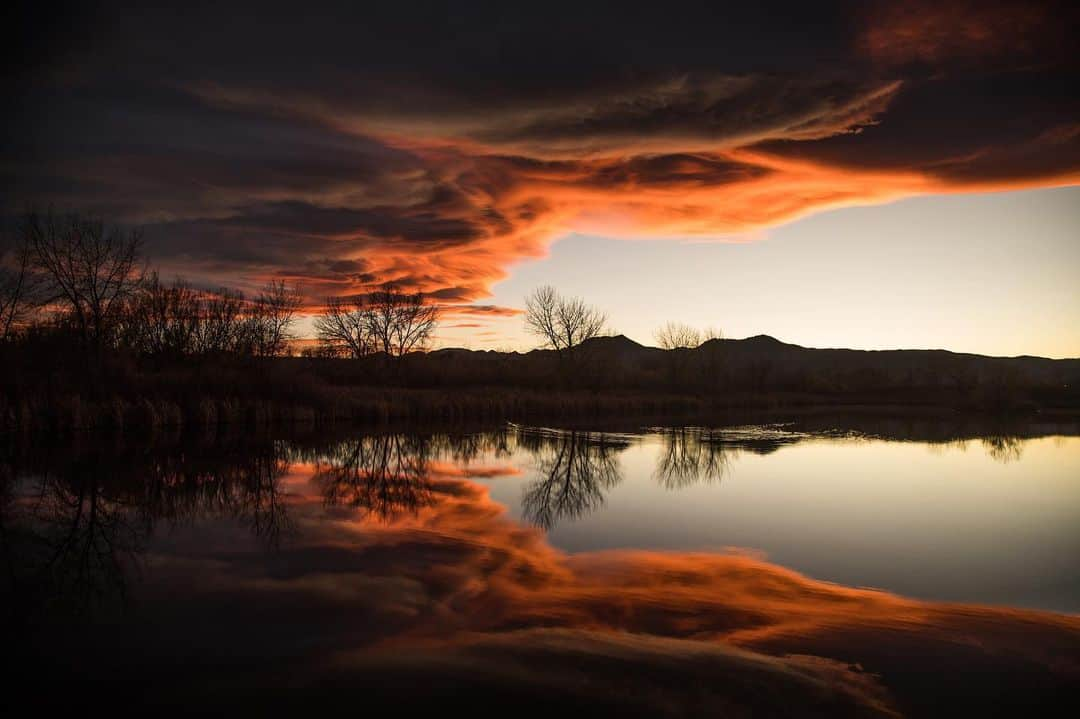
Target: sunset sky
[865, 174]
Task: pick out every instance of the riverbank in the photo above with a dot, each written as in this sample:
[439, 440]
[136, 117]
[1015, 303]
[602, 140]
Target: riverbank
[328, 406]
[55, 388]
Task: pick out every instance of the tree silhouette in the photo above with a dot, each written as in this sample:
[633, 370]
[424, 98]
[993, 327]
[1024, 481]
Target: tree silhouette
[387, 321]
[88, 269]
[562, 323]
[343, 329]
[20, 288]
[271, 317]
[676, 335]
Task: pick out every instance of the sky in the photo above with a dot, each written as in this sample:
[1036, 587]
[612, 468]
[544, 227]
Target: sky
[863, 174]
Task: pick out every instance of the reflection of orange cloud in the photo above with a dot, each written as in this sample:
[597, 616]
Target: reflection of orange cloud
[730, 597]
[458, 586]
[443, 469]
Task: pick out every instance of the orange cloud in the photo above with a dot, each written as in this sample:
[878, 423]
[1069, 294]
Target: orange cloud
[346, 179]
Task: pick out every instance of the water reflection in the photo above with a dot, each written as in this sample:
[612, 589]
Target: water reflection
[1003, 448]
[374, 569]
[75, 520]
[574, 470]
[690, 456]
[384, 474]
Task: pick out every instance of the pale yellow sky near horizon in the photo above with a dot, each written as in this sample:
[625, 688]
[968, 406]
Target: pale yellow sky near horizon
[993, 273]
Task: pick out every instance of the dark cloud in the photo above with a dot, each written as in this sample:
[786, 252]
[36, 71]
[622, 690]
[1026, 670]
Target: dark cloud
[437, 144]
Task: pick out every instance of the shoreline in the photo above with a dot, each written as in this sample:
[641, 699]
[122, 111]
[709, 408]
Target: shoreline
[380, 406]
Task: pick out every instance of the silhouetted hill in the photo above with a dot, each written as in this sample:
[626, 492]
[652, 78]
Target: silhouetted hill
[771, 356]
[762, 365]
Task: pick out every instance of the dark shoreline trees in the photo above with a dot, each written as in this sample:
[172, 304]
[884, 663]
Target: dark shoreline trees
[342, 329]
[388, 321]
[20, 288]
[88, 270]
[76, 277]
[271, 318]
[680, 340]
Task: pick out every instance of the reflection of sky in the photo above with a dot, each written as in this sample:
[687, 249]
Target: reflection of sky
[356, 602]
[932, 521]
[992, 274]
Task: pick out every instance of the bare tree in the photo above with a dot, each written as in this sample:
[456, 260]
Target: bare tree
[676, 336]
[20, 288]
[562, 323]
[343, 328]
[163, 319]
[400, 323]
[88, 269]
[271, 317]
[415, 325]
[221, 323]
[387, 321]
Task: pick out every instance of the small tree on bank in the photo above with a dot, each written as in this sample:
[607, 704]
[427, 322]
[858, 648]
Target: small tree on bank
[388, 321]
[678, 336]
[20, 288]
[342, 329]
[163, 320]
[562, 323]
[176, 320]
[679, 339]
[401, 323]
[271, 317]
[88, 270]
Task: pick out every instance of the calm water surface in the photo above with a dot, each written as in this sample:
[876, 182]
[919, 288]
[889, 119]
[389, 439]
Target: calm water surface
[989, 520]
[281, 554]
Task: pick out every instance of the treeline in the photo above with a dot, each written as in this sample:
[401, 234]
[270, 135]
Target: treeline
[76, 277]
[93, 338]
[81, 283]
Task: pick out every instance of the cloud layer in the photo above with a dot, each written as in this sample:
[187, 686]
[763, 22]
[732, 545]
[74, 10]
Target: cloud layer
[437, 148]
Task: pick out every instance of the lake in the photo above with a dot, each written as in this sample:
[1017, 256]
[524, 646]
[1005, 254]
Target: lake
[209, 567]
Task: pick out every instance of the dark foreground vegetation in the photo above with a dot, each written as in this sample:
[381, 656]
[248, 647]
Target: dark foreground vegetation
[89, 338]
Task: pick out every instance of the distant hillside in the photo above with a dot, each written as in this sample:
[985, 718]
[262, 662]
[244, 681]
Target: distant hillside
[763, 364]
[763, 351]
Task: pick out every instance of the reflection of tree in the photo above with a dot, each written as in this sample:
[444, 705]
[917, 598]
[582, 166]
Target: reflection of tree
[85, 539]
[74, 522]
[1003, 448]
[240, 482]
[574, 470]
[466, 447]
[690, 456]
[385, 474]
